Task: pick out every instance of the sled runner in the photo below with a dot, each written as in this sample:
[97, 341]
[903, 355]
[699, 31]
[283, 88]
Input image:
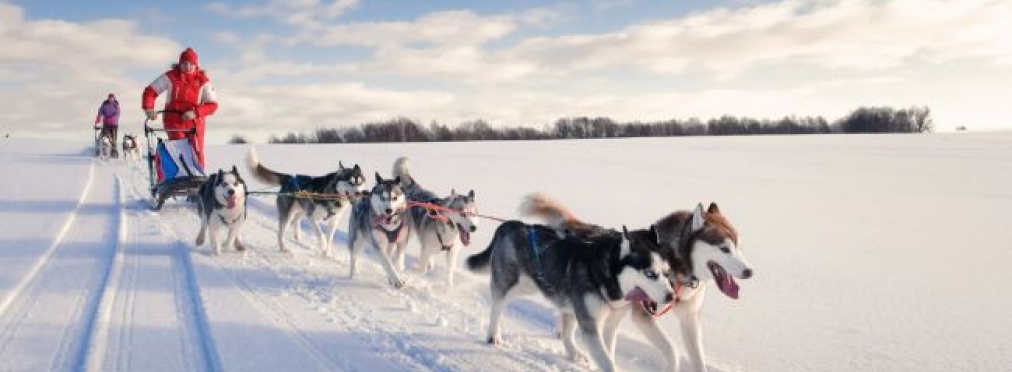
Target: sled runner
[173, 168]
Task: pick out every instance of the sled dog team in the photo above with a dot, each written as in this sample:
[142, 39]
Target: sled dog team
[594, 276]
[106, 150]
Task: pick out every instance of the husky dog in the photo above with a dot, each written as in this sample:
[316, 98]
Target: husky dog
[701, 247]
[583, 278]
[130, 150]
[340, 187]
[380, 221]
[438, 228]
[221, 202]
[105, 148]
[704, 248]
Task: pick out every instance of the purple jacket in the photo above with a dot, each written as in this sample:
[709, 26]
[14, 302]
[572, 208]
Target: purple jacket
[108, 114]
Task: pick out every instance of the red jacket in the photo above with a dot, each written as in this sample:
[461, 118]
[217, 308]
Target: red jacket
[187, 92]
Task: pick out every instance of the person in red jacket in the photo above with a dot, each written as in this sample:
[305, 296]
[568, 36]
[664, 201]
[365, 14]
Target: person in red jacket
[191, 99]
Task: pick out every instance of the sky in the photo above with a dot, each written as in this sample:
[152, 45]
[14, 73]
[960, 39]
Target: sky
[282, 66]
[869, 252]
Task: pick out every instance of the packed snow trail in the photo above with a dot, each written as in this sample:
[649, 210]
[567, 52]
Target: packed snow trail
[65, 288]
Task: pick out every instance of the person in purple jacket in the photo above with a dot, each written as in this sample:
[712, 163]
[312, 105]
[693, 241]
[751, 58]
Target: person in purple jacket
[108, 115]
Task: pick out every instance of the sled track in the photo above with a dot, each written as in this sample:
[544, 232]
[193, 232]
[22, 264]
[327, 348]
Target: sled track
[37, 267]
[80, 250]
[96, 321]
[188, 300]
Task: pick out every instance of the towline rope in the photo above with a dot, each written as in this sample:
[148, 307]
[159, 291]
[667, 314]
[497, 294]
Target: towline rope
[305, 194]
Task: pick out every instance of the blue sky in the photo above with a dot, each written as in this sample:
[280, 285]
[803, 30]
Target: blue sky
[298, 65]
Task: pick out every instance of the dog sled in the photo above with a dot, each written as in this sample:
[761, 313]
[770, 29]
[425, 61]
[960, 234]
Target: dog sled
[173, 167]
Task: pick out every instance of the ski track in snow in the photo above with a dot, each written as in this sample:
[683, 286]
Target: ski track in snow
[66, 285]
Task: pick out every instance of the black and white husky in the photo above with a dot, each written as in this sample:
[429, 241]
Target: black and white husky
[380, 221]
[221, 203]
[131, 153]
[439, 227]
[333, 191]
[701, 247]
[584, 278]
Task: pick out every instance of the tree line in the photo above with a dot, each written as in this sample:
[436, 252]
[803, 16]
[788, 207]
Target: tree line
[861, 120]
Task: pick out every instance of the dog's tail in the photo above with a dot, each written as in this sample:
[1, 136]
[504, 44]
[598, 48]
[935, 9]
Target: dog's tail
[553, 214]
[401, 170]
[478, 263]
[260, 172]
[548, 210]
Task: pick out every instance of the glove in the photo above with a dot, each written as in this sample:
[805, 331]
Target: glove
[152, 115]
[189, 115]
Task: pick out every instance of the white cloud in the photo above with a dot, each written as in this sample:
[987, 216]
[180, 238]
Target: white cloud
[857, 35]
[439, 28]
[293, 12]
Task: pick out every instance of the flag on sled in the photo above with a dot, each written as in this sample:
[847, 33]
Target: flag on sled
[176, 158]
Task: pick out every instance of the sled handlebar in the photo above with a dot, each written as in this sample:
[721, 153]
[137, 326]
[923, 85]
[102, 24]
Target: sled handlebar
[148, 129]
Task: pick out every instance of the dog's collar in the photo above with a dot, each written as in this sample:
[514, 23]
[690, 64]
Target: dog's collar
[237, 218]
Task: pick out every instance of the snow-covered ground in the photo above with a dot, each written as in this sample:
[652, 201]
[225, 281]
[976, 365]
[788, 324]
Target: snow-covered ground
[871, 253]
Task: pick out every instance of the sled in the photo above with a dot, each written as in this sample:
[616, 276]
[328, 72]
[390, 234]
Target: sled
[173, 168]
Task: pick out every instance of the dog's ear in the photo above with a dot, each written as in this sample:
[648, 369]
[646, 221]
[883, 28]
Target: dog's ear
[470, 194]
[653, 235]
[378, 178]
[626, 249]
[713, 208]
[453, 192]
[340, 165]
[357, 169]
[235, 170]
[697, 218]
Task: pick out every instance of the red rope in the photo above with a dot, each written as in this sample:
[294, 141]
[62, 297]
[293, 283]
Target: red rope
[437, 207]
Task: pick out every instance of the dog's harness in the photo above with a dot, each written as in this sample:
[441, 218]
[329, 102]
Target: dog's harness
[392, 235]
[441, 219]
[296, 182]
[536, 251]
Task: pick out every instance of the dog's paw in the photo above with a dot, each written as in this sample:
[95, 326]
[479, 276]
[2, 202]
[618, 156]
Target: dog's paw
[579, 358]
[494, 341]
[396, 282]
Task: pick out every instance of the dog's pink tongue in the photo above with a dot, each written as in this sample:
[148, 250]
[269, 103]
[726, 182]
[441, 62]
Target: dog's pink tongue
[729, 287]
[637, 294]
[230, 202]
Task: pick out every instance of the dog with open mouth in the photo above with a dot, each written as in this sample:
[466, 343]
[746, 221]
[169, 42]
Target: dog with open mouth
[441, 224]
[221, 204]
